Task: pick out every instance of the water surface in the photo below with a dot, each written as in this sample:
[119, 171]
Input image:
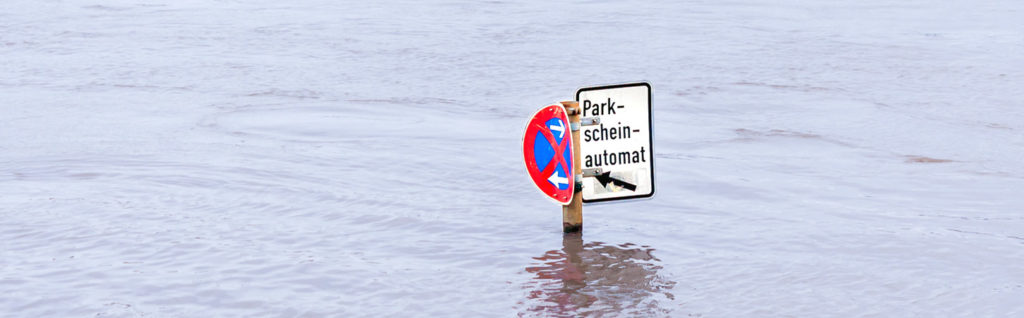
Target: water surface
[324, 158]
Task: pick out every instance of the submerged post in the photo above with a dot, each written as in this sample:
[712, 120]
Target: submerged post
[572, 213]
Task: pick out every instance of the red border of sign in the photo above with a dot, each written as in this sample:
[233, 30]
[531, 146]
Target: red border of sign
[531, 170]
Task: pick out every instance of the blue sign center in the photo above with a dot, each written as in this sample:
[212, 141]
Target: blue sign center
[544, 153]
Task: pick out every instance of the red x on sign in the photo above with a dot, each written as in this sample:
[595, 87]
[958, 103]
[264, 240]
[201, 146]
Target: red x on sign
[547, 152]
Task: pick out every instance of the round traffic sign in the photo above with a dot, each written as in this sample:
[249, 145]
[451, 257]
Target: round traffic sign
[547, 152]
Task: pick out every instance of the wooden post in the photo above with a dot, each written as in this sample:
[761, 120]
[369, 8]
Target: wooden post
[572, 214]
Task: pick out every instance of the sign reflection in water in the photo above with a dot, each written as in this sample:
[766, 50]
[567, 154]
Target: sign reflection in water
[597, 278]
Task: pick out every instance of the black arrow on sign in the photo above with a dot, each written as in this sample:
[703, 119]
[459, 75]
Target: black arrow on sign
[605, 178]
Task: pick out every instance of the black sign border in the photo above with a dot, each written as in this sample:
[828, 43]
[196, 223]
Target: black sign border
[650, 123]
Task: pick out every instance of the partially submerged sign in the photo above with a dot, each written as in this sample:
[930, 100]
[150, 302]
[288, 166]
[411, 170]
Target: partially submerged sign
[616, 142]
[548, 153]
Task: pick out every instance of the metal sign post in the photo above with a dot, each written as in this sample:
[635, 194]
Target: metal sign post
[572, 213]
[614, 154]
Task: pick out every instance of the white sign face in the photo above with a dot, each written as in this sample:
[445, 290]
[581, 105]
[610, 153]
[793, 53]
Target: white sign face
[620, 145]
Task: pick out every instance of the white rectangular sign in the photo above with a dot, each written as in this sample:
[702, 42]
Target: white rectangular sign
[620, 145]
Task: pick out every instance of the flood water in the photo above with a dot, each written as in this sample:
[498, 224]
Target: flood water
[362, 159]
